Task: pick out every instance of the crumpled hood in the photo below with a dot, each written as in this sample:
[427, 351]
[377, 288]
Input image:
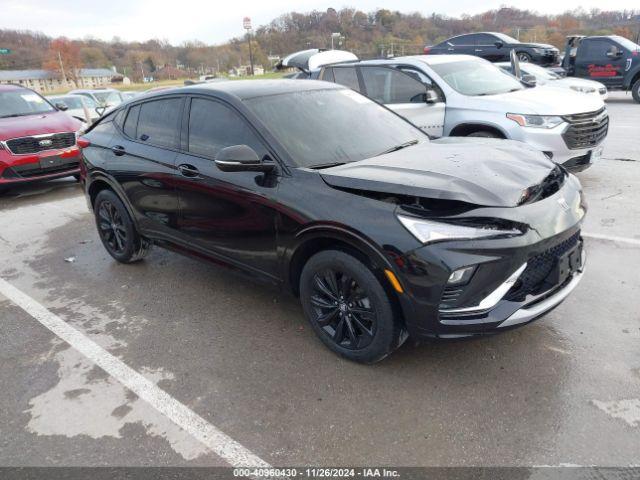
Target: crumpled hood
[37, 124]
[491, 173]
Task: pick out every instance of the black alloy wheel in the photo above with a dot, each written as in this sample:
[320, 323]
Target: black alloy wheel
[116, 229]
[112, 228]
[524, 57]
[348, 307]
[343, 310]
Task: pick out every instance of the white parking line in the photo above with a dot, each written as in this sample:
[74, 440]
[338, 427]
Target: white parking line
[612, 238]
[217, 441]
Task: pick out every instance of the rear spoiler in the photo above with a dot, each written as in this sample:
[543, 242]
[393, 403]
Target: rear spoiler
[315, 58]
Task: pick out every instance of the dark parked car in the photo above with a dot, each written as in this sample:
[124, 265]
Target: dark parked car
[37, 139]
[315, 188]
[496, 47]
[612, 60]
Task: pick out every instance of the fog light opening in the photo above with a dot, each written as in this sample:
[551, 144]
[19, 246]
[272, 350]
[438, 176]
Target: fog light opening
[461, 276]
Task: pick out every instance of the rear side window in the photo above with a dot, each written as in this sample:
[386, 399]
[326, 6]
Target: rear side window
[131, 123]
[388, 86]
[158, 122]
[327, 75]
[347, 76]
[463, 40]
[214, 126]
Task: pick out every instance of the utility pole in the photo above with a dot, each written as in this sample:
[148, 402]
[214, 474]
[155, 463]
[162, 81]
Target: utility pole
[246, 23]
[64, 77]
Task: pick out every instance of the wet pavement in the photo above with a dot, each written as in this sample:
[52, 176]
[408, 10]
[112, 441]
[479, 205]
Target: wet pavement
[563, 390]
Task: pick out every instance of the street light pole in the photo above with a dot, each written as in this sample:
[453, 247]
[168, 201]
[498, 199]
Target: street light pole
[246, 23]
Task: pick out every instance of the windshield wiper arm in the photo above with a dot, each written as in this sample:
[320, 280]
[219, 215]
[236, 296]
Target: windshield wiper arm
[399, 147]
[326, 165]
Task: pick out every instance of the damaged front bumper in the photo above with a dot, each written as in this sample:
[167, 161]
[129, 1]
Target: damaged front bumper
[515, 281]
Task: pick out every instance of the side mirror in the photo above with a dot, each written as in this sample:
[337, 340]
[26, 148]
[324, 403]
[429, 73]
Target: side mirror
[529, 80]
[100, 110]
[431, 96]
[499, 44]
[614, 52]
[61, 106]
[241, 158]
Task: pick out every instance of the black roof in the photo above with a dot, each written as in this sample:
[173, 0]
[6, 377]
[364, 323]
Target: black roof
[244, 89]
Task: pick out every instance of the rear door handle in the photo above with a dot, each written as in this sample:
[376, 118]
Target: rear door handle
[118, 150]
[187, 170]
[478, 49]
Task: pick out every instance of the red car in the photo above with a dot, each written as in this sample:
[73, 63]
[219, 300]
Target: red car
[37, 139]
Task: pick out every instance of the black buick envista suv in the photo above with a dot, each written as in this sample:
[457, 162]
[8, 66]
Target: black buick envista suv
[311, 186]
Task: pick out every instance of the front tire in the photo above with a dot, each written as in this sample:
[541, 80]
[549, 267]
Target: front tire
[635, 91]
[524, 57]
[116, 229]
[484, 134]
[348, 307]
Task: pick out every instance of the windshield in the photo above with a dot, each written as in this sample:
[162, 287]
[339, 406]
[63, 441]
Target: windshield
[506, 38]
[324, 127]
[626, 43]
[472, 77]
[108, 98]
[539, 72]
[16, 103]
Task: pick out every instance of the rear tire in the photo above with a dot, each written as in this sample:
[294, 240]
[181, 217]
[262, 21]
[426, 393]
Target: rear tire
[116, 229]
[635, 90]
[484, 134]
[3, 190]
[348, 308]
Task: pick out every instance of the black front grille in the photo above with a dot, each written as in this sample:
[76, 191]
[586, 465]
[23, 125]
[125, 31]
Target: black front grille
[25, 145]
[533, 280]
[586, 130]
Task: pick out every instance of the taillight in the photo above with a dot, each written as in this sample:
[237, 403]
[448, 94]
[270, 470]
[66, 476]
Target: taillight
[427, 50]
[83, 142]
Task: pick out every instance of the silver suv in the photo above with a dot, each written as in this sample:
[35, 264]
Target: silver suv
[462, 95]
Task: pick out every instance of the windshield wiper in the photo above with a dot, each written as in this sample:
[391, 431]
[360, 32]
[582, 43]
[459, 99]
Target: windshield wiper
[14, 115]
[326, 165]
[399, 147]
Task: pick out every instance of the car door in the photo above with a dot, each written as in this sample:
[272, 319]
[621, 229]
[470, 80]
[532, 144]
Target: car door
[143, 154]
[229, 215]
[595, 61]
[464, 44]
[404, 92]
[486, 47]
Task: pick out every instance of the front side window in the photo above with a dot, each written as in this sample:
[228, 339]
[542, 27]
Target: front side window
[347, 76]
[388, 86]
[214, 126]
[476, 77]
[596, 50]
[321, 127]
[18, 103]
[158, 122]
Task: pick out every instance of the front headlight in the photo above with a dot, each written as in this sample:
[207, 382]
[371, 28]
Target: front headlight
[537, 121]
[428, 231]
[581, 89]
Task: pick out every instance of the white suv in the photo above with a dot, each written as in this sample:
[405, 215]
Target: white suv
[462, 95]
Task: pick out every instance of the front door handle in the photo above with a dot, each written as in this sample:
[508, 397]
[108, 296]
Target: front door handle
[478, 49]
[118, 150]
[187, 170]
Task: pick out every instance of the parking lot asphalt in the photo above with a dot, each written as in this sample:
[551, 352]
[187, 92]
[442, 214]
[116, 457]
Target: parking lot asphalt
[564, 390]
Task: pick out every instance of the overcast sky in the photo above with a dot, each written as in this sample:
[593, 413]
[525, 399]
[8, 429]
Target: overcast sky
[214, 21]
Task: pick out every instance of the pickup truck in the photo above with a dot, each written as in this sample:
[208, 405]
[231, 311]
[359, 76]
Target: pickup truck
[611, 60]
